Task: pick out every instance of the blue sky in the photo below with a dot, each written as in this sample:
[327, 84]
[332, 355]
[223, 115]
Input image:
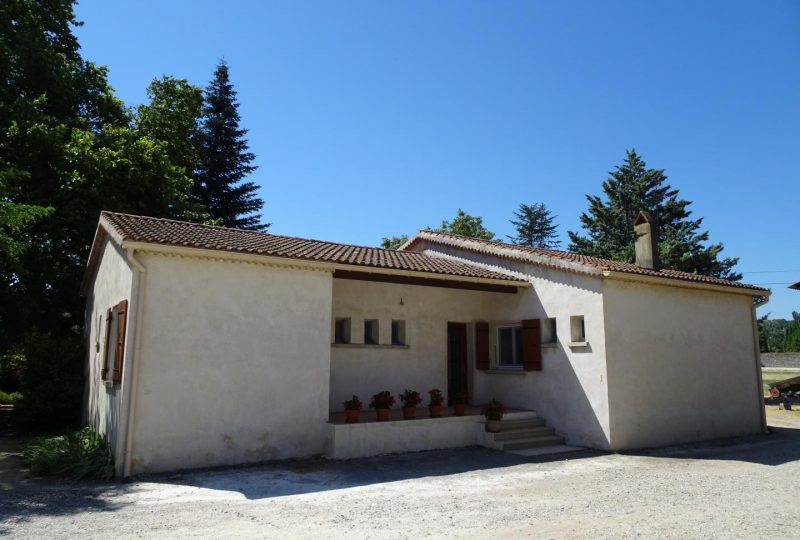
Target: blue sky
[372, 119]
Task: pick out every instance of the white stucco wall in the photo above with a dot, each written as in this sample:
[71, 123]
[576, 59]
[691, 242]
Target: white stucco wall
[681, 365]
[234, 364]
[570, 391]
[112, 283]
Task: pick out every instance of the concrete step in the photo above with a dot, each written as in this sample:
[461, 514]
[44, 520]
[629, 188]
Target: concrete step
[522, 423]
[534, 442]
[523, 433]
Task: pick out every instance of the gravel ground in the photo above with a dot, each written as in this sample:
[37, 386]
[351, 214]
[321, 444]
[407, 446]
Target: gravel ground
[731, 489]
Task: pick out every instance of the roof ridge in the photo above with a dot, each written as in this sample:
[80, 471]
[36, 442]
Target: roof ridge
[250, 231]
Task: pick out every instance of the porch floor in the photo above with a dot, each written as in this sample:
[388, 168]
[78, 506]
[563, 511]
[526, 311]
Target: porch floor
[368, 416]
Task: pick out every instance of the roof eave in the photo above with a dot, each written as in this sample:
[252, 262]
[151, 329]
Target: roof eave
[686, 284]
[308, 264]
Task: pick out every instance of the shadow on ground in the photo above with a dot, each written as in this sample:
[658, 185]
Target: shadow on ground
[317, 475]
[781, 445]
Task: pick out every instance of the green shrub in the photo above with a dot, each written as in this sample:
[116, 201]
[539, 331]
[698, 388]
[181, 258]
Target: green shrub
[83, 454]
[9, 398]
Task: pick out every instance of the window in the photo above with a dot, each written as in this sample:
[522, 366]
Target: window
[398, 332]
[114, 352]
[577, 329]
[509, 346]
[371, 331]
[549, 332]
[341, 332]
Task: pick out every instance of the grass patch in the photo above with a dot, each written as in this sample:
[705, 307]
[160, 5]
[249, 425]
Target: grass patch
[9, 398]
[771, 377]
[82, 455]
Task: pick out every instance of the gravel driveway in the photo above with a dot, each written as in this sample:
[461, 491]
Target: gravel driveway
[740, 489]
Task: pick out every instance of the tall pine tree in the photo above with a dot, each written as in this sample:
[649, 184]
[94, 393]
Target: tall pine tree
[535, 227]
[225, 159]
[633, 187]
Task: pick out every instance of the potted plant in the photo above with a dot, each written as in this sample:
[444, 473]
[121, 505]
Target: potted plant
[459, 401]
[410, 399]
[382, 402]
[435, 405]
[493, 411]
[351, 409]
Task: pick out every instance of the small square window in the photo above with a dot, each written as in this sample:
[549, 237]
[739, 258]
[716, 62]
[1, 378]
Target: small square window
[549, 331]
[371, 331]
[509, 346]
[577, 329]
[398, 332]
[342, 331]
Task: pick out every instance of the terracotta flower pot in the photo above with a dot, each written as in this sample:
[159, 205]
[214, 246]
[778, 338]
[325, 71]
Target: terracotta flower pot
[351, 416]
[409, 413]
[383, 414]
[459, 409]
[435, 410]
[493, 426]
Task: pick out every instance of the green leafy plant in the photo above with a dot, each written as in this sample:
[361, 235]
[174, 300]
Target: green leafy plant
[82, 455]
[494, 410]
[410, 398]
[382, 400]
[9, 398]
[436, 397]
[353, 404]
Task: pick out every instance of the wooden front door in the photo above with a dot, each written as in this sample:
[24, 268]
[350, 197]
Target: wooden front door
[456, 358]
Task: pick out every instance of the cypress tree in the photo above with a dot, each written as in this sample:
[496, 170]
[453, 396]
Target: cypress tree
[535, 227]
[225, 160]
[633, 187]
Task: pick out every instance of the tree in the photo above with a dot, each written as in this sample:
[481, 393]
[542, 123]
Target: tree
[466, 225]
[69, 145]
[633, 187]
[535, 227]
[394, 242]
[792, 341]
[225, 160]
[173, 116]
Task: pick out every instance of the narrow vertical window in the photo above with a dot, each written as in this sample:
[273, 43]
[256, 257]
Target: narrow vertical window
[577, 328]
[549, 331]
[341, 332]
[398, 332]
[371, 331]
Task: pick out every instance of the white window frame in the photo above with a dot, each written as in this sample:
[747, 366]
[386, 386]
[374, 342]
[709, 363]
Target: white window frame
[516, 345]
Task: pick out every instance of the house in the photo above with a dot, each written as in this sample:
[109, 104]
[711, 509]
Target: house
[211, 346]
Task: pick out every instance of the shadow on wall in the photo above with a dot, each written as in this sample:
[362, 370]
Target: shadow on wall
[558, 393]
[318, 475]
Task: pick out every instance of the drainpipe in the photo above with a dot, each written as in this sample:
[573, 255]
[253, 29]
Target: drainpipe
[757, 354]
[129, 372]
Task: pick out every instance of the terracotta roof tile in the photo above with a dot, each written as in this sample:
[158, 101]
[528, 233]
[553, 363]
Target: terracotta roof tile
[538, 255]
[181, 233]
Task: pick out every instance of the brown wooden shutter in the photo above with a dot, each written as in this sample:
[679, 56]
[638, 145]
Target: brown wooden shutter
[482, 360]
[532, 345]
[104, 370]
[119, 352]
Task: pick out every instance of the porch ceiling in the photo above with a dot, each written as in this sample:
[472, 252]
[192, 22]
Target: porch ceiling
[425, 281]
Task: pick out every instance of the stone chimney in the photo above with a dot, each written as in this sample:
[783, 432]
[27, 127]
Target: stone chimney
[646, 241]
